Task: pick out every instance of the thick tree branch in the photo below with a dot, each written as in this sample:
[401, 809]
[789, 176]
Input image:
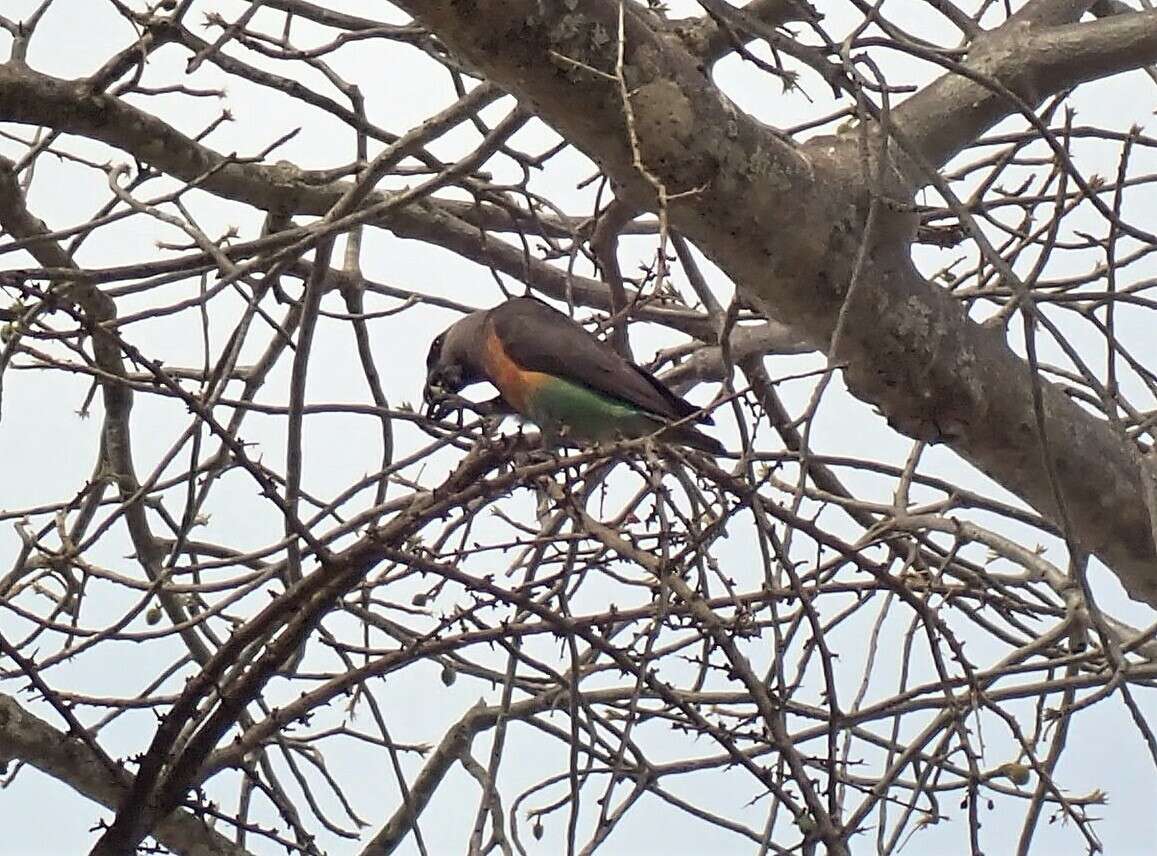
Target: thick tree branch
[27, 96]
[1031, 61]
[705, 37]
[469, 574]
[787, 225]
[27, 738]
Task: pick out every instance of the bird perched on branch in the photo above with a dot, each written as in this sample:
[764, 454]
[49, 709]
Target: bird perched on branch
[556, 374]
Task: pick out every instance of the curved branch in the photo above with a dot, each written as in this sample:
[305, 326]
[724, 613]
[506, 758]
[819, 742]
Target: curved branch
[28, 738]
[1029, 60]
[29, 97]
[787, 225]
[706, 37]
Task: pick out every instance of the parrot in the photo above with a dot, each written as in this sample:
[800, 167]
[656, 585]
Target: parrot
[551, 371]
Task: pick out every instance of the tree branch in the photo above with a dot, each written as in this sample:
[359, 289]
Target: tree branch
[27, 738]
[1032, 62]
[704, 35]
[787, 225]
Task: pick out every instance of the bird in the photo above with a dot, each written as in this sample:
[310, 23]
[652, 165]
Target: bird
[554, 373]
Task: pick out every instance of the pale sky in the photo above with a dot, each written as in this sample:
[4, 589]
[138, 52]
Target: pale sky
[49, 450]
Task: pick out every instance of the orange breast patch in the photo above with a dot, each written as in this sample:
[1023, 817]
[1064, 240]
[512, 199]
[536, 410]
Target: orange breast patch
[514, 382]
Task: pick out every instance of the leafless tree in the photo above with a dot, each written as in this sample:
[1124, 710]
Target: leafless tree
[806, 647]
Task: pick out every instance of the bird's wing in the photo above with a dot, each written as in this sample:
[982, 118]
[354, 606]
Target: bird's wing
[541, 339]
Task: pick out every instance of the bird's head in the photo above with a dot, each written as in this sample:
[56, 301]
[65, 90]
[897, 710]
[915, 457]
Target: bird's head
[454, 360]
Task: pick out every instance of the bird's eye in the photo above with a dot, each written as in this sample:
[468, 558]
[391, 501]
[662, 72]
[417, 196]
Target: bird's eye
[435, 350]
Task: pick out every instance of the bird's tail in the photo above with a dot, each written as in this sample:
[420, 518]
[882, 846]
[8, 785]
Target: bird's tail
[692, 437]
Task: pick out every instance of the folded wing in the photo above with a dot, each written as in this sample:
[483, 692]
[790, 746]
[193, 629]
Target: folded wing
[539, 338]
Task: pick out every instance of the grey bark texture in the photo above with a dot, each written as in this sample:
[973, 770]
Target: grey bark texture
[786, 222]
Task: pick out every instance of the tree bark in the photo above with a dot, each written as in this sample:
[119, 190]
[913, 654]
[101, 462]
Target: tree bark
[786, 223]
[28, 738]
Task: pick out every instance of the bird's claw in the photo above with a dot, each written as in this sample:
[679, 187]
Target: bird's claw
[440, 403]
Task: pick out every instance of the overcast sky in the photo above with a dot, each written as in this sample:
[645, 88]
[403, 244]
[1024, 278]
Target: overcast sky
[49, 450]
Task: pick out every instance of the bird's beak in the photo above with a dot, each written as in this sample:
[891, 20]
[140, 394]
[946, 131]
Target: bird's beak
[433, 394]
[441, 383]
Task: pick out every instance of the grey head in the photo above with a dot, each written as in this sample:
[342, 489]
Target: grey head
[455, 357]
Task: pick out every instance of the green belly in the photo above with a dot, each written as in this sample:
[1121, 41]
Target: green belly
[575, 412]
